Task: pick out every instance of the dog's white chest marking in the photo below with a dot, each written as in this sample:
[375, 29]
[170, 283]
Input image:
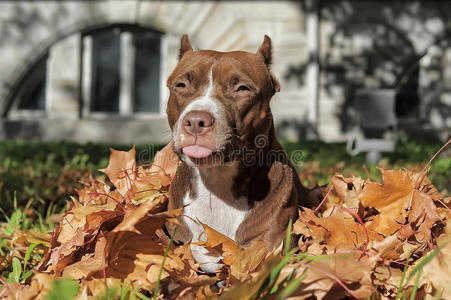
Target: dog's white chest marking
[217, 213]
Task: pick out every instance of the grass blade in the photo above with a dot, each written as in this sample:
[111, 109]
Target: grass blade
[425, 260]
[139, 295]
[26, 275]
[271, 280]
[291, 287]
[415, 286]
[157, 286]
[439, 293]
[17, 269]
[403, 277]
[288, 238]
[124, 291]
[63, 289]
[286, 279]
[28, 254]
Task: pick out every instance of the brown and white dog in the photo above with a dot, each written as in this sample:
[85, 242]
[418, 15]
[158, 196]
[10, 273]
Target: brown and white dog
[234, 175]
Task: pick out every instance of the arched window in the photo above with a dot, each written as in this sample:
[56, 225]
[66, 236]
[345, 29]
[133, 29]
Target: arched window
[29, 97]
[121, 71]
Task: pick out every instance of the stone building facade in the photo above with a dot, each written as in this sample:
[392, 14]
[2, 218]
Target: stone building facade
[96, 70]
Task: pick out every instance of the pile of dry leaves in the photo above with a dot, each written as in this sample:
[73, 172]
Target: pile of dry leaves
[356, 244]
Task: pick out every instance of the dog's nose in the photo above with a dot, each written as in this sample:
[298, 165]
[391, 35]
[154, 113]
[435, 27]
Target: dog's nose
[198, 123]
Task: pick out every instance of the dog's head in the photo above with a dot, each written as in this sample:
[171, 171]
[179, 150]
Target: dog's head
[219, 101]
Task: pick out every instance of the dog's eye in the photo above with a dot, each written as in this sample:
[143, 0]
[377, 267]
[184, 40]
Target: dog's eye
[242, 88]
[180, 85]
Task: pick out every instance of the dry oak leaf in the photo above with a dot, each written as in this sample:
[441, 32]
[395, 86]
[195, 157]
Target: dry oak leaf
[395, 200]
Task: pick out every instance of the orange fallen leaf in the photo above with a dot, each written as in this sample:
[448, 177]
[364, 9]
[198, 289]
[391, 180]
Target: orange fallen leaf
[121, 169]
[221, 243]
[392, 199]
[338, 231]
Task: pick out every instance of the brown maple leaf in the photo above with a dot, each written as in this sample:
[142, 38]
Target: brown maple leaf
[90, 262]
[135, 183]
[133, 246]
[220, 243]
[437, 272]
[392, 199]
[338, 231]
[121, 169]
[248, 260]
[400, 206]
[347, 190]
[38, 288]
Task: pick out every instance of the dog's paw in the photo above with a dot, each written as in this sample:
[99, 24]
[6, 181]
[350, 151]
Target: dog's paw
[208, 260]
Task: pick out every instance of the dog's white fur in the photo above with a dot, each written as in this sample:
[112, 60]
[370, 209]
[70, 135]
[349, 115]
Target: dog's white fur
[205, 103]
[223, 215]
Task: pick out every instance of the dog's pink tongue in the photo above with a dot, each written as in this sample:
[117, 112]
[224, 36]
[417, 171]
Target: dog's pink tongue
[197, 151]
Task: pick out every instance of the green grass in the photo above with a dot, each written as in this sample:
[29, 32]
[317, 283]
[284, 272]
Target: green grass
[63, 289]
[320, 160]
[42, 176]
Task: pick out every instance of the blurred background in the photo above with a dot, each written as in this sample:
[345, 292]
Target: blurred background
[363, 82]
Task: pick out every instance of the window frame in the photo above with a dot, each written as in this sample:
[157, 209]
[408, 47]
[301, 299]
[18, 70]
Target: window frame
[126, 70]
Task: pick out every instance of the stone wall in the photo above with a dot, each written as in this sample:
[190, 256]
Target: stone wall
[30, 29]
[401, 45]
[362, 44]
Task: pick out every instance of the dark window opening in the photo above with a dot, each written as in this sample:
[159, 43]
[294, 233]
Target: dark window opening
[105, 71]
[146, 72]
[124, 75]
[33, 91]
[407, 98]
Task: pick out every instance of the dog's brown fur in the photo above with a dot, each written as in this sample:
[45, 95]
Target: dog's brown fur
[272, 189]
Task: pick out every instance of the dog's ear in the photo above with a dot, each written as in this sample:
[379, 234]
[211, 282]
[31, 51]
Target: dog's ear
[266, 50]
[185, 46]
[275, 83]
